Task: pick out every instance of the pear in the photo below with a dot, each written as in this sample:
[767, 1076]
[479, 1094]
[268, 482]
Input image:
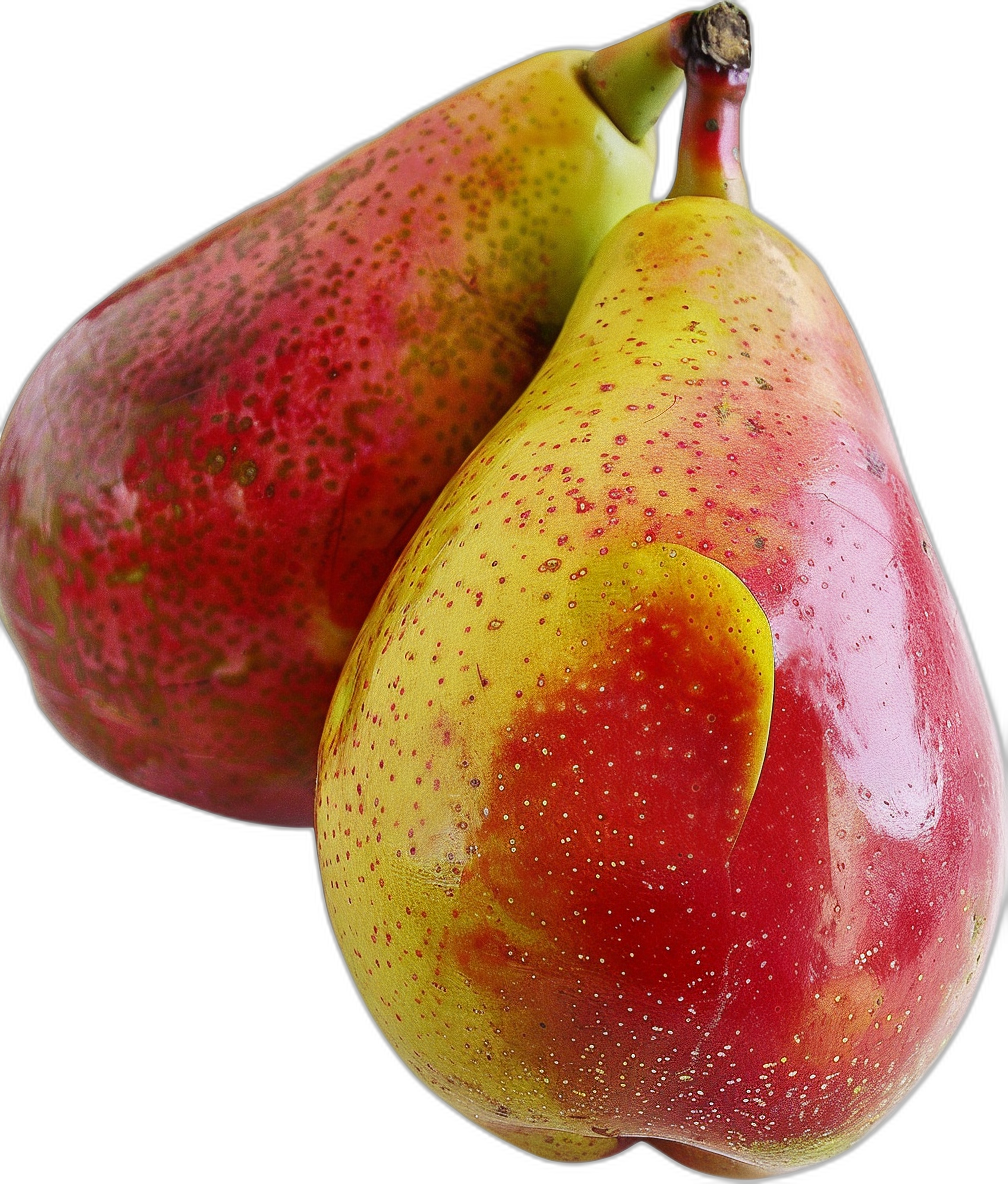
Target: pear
[660, 798]
[207, 479]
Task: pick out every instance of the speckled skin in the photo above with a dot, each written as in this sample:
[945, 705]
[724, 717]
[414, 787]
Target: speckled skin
[205, 482]
[524, 821]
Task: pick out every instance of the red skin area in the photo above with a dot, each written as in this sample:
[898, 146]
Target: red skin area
[205, 482]
[709, 163]
[707, 393]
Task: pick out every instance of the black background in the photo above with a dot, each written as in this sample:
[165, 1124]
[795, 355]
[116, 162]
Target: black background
[175, 975]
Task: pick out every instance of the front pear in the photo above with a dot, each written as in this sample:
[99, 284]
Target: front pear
[661, 799]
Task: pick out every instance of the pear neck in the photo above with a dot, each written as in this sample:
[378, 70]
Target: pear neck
[710, 156]
[633, 80]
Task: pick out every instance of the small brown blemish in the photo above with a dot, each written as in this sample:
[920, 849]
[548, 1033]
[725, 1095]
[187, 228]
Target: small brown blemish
[876, 465]
[245, 472]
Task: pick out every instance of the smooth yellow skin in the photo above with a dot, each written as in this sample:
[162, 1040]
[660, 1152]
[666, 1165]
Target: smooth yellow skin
[579, 174]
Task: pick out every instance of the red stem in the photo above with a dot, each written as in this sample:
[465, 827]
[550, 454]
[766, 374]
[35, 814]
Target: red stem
[710, 163]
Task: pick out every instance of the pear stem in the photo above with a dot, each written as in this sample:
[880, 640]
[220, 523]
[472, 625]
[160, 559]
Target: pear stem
[633, 80]
[713, 48]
